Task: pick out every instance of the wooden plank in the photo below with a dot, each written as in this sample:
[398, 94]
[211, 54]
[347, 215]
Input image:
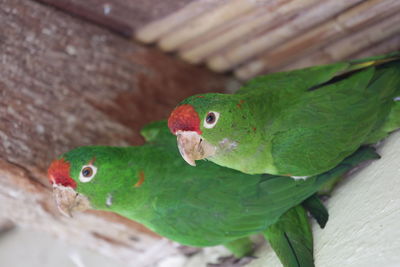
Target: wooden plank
[367, 37]
[296, 26]
[206, 22]
[66, 83]
[159, 28]
[120, 16]
[378, 47]
[353, 20]
[388, 45]
[244, 27]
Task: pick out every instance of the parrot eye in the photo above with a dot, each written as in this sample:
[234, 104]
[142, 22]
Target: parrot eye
[87, 173]
[211, 119]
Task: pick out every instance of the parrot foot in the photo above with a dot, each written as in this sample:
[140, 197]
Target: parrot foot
[232, 261]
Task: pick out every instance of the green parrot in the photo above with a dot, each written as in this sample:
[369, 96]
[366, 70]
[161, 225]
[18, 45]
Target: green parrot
[298, 123]
[204, 206]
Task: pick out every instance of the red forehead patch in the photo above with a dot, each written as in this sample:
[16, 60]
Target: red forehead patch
[184, 118]
[58, 173]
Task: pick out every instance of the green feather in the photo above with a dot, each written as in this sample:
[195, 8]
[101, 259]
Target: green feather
[317, 209]
[204, 206]
[291, 238]
[303, 122]
[156, 132]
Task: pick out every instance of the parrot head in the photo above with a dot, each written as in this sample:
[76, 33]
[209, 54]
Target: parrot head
[67, 198]
[209, 126]
[85, 177]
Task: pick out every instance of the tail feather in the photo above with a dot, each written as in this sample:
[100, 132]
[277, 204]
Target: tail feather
[291, 238]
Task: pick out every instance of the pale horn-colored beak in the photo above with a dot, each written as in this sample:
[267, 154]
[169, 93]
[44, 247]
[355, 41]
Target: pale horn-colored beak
[69, 201]
[192, 147]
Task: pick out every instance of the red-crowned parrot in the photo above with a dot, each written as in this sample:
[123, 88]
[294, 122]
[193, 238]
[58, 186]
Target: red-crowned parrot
[204, 206]
[298, 123]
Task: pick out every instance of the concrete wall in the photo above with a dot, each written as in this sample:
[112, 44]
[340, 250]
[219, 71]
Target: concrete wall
[364, 224]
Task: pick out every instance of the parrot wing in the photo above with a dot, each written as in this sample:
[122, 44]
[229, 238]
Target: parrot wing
[305, 79]
[291, 238]
[282, 193]
[326, 124]
[294, 81]
[259, 202]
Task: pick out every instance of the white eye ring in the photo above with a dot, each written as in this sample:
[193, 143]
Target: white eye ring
[87, 173]
[211, 119]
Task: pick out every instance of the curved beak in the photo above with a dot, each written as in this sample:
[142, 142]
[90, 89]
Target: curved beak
[192, 147]
[68, 200]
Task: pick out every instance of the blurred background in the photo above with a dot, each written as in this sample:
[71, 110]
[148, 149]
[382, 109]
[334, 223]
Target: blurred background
[94, 72]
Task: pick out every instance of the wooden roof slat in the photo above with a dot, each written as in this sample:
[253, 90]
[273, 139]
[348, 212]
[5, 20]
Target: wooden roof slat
[206, 22]
[322, 56]
[344, 24]
[365, 38]
[387, 45]
[254, 23]
[312, 17]
[251, 36]
[155, 30]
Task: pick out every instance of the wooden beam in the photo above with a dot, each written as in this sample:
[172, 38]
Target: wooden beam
[349, 22]
[206, 22]
[242, 28]
[321, 56]
[160, 27]
[385, 46]
[304, 19]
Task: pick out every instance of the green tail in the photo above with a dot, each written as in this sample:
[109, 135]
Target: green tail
[291, 238]
[317, 209]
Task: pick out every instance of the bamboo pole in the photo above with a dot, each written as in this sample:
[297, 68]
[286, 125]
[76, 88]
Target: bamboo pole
[205, 23]
[155, 30]
[252, 24]
[380, 45]
[278, 35]
[316, 58]
[353, 20]
[386, 46]
[361, 40]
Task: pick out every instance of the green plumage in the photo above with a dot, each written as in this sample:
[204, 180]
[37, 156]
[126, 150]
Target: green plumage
[314, 205]
[204, 206]
[291, 238]
[303, 122]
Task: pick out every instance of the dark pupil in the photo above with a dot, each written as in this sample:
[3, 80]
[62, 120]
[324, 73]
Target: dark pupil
[87, 172]
[210, 118]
